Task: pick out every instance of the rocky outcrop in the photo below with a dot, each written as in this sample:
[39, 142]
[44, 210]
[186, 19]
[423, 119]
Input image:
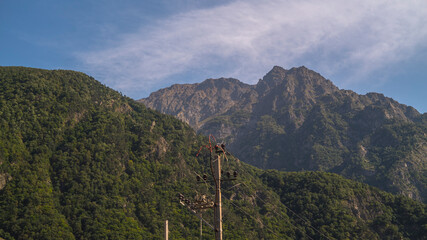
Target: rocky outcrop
[4, 178]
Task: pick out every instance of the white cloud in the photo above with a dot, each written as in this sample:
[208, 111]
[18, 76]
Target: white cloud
[244, 39]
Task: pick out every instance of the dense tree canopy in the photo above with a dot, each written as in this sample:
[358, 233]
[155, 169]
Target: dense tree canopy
[80, 161]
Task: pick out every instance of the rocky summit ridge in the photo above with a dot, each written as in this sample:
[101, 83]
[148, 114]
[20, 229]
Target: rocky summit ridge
[297, 120]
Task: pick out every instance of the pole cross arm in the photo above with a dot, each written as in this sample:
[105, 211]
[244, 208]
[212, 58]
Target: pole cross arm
[197, 215]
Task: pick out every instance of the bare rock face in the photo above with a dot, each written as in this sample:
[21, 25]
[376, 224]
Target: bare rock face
[221, 106]
[297, 120]
[4, 178]
[194, 103]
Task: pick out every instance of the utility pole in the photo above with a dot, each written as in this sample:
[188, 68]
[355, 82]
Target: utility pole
[202, 203]
[201, 228]
[166, 230]
[218, 203]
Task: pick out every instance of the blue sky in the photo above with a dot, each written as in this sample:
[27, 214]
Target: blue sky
[138, 47]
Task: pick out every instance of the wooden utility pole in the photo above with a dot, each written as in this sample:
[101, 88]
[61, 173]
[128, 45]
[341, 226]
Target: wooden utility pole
[166, 230]
[201, 229]
[201, 202]
[218, 204]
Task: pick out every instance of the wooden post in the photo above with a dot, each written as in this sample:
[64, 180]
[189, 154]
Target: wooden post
[218, 204]
[201, 228]
[166, 230]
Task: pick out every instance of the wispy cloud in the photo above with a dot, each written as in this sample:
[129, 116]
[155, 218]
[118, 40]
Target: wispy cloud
[244, 39]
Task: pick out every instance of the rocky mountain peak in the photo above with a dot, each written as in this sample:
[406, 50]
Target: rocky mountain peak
[276, 73]
[296, 81]
[297, 88]
[220, 83]
[193, 103]
[273, 78]
[296, 119]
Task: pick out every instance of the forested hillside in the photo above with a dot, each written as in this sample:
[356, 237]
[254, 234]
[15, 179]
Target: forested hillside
[295, 120]
[80, 161]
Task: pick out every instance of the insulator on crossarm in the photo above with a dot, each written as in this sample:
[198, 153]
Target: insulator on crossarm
[228, 174]
[235, 173]
[205, 177]
[198, 178]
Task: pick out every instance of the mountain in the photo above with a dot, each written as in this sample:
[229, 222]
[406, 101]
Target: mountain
[296, 120]
[80, 161]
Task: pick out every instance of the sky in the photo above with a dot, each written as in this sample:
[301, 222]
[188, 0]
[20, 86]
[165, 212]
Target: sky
[137, 47]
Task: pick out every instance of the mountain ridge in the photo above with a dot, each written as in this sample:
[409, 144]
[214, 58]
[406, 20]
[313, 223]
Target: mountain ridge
[275, 77]
[298, 120]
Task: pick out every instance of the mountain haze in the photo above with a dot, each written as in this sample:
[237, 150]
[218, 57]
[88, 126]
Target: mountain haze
[297, 120]
[80, 161]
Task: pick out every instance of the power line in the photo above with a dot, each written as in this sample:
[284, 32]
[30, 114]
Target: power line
[306, 221]
[215, 168]
[296, 214]
[216, 205]
[242, 210]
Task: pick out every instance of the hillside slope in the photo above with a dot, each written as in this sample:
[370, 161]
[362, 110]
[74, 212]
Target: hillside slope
[297, 120]
[80, 161]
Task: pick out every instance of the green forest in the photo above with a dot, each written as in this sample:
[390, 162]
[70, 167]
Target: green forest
[79, 160]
